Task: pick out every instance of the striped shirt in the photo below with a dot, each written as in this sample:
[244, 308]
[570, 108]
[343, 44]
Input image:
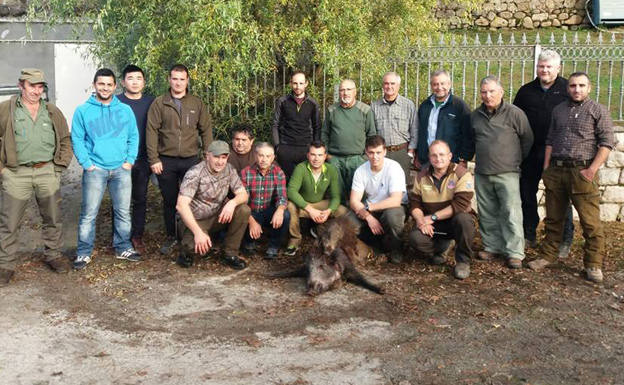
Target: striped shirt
[396, 122]
[266, 189]
[578, 129]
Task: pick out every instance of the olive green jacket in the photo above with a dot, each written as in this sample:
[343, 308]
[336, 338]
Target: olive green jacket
[8, 154]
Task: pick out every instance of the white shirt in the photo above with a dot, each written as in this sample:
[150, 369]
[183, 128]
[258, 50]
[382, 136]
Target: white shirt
[378, 186]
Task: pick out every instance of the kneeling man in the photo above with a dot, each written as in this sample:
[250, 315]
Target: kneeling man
[204, 207]
[382, 180]
[440, 204]
[312, 182]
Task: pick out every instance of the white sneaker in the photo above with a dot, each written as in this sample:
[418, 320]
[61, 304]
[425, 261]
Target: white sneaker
[81, 262]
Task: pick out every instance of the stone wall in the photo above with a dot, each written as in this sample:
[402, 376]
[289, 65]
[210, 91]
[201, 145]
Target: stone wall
[528, 14]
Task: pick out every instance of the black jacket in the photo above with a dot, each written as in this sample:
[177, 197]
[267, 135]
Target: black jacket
[538, 104]
[296, 125]
[453, 128]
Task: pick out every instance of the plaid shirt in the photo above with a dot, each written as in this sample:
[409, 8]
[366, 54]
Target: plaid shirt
[264, 189]
[397, 123]
[578, 129]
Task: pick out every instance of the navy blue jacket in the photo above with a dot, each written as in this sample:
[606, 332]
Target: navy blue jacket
[453, 128]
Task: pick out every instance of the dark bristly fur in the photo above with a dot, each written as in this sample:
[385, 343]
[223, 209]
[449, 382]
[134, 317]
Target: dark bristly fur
[332, 257]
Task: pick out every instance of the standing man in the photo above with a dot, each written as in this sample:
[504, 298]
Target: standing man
[397, 122]
[380, 181]
[347, 125]
[266, 185]
[106, 142]
[35, 148]
[310, 185]
[537, 99]
[440, 204]
[503, 139]
[578, 143]
[204, 207]
[133, 82]
[296, 124]
[444, 116]
[241, 150]
[176, 122]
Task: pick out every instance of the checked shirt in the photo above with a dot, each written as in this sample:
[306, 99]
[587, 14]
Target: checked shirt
[264, 189]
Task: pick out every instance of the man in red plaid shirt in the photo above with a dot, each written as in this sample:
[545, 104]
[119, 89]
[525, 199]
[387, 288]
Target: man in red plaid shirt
[266, 185]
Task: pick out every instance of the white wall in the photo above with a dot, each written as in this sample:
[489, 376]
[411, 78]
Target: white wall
[74, 71]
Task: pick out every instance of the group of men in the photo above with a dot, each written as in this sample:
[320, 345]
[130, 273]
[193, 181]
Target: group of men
[356, 163]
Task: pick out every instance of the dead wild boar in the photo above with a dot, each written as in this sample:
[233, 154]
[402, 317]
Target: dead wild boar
[333, 256]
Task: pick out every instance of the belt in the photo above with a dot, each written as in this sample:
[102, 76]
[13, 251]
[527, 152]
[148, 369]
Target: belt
[570, 163]
[36, 165]
[397, 147]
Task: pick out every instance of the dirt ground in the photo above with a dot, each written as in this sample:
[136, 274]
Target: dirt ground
[154, 323]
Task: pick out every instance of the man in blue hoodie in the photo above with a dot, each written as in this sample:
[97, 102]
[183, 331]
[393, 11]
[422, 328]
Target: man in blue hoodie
[106, 141]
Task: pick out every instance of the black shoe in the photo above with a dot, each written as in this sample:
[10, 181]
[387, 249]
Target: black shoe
[233, 261]
[5, 276]
[184, 260]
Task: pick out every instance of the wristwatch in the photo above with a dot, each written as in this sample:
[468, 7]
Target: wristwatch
[434, 217]
[366, 206]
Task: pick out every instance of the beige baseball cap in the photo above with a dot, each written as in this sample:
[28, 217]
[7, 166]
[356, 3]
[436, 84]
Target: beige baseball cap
[219, 147]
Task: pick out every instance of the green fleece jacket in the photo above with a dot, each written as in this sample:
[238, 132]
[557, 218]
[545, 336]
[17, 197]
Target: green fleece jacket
[303, 190]
[345, 130]
[8, 151]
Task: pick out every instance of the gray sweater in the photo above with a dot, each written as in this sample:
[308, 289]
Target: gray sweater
[502, 140]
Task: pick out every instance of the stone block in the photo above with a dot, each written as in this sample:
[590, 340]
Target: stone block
[491, 16]
[619, 137]
[609, 212]
[498, 22]
[613, 194]
[615, 159]
[574, 20]
[523, 5]
[556, 23]
[527, 23]
[505, 14]
[621, 216]
[482, 22]
[546, 23]
[519, 15]
[541, 211]
[563, 16]
[511, 7]
[608, 176]
[512, 22]
[539, 17]
[579, 4]
[621, 181]
[541, 197]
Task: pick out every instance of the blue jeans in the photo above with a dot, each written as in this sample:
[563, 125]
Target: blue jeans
[276, 236]
[94, 185]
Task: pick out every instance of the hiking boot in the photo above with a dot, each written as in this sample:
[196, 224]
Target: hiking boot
[514, 263]
[81, 262]
[168, 245]
[564, 251]
[291, 251]
[233, 261]
[594, 274]
[530, 243]
[437, 259]
[137, 243]
[184, 260]
[462, 270]
[538, 264]
[486, 255]
[5, 276]
[129, 255]
[58, 265]
[395, 257]
[271, 253]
